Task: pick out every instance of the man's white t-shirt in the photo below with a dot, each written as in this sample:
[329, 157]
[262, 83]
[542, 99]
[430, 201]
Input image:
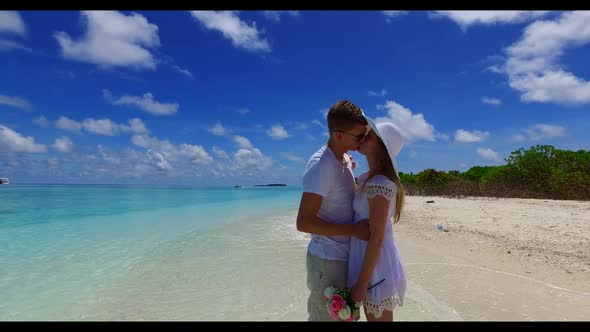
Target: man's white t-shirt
[332, 179]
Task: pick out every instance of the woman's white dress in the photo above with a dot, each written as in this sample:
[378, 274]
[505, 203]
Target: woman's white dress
[391, 291]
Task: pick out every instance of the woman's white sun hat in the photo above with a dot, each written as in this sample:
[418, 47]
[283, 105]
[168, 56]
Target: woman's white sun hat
[391, 136]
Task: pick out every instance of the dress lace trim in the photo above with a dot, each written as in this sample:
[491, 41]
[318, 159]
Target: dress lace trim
[378, 189]
[388, 303]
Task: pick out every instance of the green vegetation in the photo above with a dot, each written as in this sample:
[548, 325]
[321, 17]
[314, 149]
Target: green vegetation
[539, 172]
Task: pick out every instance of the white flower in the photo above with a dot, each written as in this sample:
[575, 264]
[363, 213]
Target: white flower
[328, 292]
[344, 313]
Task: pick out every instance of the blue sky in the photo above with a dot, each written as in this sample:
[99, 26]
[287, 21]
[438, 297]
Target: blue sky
[224, 98]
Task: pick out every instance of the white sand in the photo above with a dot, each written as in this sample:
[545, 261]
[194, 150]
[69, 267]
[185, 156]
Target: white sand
[495, 259]
[256, 270]
[500, 259]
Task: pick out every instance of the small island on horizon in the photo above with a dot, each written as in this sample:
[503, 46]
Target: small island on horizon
[271, 185]
[264, 185]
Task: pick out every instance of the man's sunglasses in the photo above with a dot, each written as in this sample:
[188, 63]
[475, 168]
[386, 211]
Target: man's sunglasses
[356, 137]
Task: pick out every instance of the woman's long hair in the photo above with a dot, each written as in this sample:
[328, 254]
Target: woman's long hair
[385, 168]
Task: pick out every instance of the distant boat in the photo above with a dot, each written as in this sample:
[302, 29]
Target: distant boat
[238, 186]
[4, 181]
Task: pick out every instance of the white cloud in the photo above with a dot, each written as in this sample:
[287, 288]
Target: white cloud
[136, 126]
[549, 131]
[15, 102]
[244, 162]
[159, 160]
[243, 111]
[491, 101]
[220, 153]
[251, 159]
[195, 153]
[488, 154]
[466, 18]
[145, 141]
[146, 103]
[104, 127]
[413, 126]
[243, 142]
[184, 72]
[413, 154]
[128, 164]
[68, 124]
[12, 22]
[241, 34]
[218, 130]
[293, 157]
[63, 144]
[539, 131]
[277, 132]
[41, 121]
[318, 123]
[300, 126]
[12, 141]
[275, 15]
[165, 163]
[390, 14]
[9, 45]
[495, 69]
[518, 138]
[442, 136]
[464, 136]
[112, 39]
[381, 93]
[532, 65]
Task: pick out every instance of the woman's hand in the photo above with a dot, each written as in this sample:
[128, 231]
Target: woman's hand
[358, 292]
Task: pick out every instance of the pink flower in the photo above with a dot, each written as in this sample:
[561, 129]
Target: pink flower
[338, 297]
[337, 303]
[333, 314]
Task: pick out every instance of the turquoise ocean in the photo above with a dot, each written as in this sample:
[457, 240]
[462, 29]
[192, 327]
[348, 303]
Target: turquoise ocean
[103, 252]
[143, 253]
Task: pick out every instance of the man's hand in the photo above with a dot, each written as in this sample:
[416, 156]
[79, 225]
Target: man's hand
[361, 230]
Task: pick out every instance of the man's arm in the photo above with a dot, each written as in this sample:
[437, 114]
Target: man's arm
[308, 221]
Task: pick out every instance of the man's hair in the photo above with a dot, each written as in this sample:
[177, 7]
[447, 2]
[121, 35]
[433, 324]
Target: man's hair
[344, 115]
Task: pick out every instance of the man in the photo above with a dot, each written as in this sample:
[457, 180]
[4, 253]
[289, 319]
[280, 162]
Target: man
[325, 209]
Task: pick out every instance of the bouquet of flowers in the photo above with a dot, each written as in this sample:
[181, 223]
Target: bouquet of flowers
[340, 304]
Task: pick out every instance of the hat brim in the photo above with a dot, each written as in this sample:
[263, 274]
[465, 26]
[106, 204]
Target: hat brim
[373, 127]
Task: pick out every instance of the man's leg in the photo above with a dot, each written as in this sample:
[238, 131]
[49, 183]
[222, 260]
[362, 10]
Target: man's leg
[322, 273]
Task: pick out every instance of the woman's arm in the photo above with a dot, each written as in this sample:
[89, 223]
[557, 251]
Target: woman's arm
[378, 210]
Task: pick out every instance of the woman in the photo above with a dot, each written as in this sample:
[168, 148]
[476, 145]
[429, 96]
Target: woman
[375, 273]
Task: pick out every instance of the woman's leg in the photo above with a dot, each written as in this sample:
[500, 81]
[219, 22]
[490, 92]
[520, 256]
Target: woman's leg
[386, 316]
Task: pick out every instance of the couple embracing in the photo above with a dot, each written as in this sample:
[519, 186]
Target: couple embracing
[352, 243]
